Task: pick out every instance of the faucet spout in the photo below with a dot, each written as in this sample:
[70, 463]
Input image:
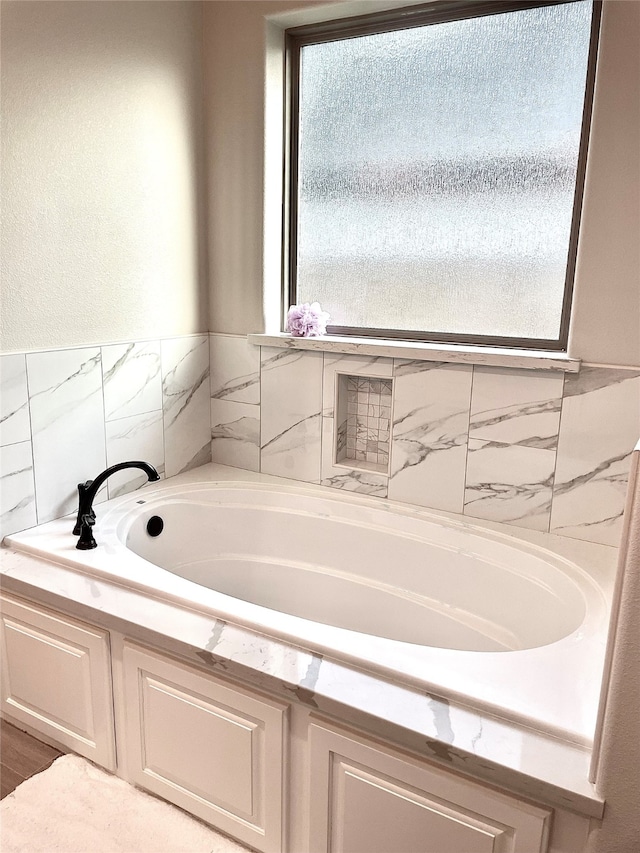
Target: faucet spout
[86, 495]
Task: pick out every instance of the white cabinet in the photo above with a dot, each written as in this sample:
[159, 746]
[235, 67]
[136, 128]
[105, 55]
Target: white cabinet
[365, 798]
[212, 748]
[226, 753]
[56, 678]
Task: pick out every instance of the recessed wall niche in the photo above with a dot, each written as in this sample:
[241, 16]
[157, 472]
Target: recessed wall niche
[363, 422]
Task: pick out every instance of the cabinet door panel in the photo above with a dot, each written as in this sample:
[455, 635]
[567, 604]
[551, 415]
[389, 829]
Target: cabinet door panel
[375, 814]
[211, 748]
[213, 752]
[56, 678]
[47, 664]
[367, 798]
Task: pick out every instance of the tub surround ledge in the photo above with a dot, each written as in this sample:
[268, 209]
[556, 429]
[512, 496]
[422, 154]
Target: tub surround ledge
[447, 732]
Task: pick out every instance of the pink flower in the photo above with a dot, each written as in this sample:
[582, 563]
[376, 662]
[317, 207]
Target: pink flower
[307, 320]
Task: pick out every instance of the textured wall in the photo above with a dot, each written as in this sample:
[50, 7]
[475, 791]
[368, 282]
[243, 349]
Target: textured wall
[101, 142]
[234, 59]
[606, 315]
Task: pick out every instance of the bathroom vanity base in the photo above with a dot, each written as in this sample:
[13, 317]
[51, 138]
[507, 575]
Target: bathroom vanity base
[279, 775]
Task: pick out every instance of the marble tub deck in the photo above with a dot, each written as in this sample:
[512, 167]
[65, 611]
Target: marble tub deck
[503, 753]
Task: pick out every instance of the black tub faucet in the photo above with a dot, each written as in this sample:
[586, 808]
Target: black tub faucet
[86, 495]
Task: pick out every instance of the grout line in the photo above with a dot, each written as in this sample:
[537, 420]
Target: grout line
[104, 422]
[466, 455]
[164, 439]
[33, 457]
[557, 452]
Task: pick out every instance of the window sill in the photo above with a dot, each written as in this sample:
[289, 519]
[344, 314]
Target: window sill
[416, 351]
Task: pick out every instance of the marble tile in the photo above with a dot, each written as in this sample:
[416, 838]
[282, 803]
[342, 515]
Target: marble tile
[17, 494]
[516, 406]
[599, 427]
[235, 369]
[290, 429]
[509, 483]
[351, 365]
[186, 395]
[235, 434]
[136, 437]
[132, 379]
[347, 478]
[14, 400]
[67, 422]
[430, 418]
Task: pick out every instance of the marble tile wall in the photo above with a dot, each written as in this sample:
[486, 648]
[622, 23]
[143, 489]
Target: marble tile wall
[429, 433]
[536, 449]
[186, 403]
[291, 413]
[67, 414]
[513, 437]
[235, 402]
[599, 423]
[17, 490]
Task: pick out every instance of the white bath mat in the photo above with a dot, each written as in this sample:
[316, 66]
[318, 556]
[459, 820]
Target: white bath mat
[73, 807]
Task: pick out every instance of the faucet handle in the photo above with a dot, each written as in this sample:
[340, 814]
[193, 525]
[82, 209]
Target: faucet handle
[86, 540]
[82, 491]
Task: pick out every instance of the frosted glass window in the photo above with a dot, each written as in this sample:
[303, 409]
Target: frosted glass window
[437, 171]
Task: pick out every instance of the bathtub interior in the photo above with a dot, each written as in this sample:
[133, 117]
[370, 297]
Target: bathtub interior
[376, 573]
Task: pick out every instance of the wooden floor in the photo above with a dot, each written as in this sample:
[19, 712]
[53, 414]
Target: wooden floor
[21, 756]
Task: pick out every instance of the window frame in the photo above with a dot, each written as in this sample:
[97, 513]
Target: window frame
[440, 11]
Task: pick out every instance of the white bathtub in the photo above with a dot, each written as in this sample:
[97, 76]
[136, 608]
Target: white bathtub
[363, 569]
[467, 613]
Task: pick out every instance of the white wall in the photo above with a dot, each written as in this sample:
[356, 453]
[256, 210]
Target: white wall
[101, 151]
[606, 316]
[606, 325]
[234, 61]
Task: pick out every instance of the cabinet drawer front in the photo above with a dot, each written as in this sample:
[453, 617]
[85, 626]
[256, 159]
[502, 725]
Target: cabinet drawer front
[366, 799]
[212, 749]
[56, 678]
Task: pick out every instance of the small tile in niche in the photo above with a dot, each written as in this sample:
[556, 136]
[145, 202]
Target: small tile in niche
[365, 404]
